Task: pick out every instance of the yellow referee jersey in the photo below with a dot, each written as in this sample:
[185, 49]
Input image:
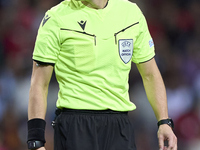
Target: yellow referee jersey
[92, 51]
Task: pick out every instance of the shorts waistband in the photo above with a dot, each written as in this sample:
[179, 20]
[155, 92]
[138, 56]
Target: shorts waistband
[81, 111]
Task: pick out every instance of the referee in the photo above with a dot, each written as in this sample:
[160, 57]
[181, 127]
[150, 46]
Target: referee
[90, 44]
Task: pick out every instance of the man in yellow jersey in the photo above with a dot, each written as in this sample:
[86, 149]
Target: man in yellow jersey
[90, 44]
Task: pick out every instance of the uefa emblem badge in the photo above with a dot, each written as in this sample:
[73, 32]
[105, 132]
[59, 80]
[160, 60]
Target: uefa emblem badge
[126, 49]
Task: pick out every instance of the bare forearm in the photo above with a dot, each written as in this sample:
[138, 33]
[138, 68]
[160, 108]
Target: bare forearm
[155, 88]
[156, 94]
[37, 103]
[40, 79]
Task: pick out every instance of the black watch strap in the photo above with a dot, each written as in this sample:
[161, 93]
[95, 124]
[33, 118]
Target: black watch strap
[35, 144]
[166, 121]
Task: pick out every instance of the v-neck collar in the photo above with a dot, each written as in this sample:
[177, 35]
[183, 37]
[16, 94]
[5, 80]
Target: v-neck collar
[81, 5]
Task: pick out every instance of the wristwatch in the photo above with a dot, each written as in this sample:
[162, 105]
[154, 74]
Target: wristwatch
[168, 121]
[35, 144]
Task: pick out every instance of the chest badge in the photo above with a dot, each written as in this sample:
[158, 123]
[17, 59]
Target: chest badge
[126, 49]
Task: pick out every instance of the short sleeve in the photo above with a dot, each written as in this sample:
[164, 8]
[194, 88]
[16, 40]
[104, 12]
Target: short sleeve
[47, 45]
[143, 45]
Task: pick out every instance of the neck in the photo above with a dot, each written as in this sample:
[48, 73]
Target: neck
[96, 4]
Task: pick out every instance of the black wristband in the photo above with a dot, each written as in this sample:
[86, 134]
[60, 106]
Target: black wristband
[36, 130]
[168, 121]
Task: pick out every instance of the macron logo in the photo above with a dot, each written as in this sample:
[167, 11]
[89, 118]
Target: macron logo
[46, 18]
[82, 24]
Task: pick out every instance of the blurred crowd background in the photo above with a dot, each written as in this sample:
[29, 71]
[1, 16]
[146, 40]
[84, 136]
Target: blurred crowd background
[175, 28]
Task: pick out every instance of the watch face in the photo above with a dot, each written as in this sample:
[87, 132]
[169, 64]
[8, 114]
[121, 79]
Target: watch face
[170, 123]
[31, 145]
[35, 144]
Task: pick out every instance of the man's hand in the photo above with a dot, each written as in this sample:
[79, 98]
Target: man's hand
[165, 133]
[41, 148]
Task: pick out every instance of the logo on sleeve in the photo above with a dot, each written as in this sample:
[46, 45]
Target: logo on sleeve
[46, 18]
[126, 49]
[82, 24]
[151, 44]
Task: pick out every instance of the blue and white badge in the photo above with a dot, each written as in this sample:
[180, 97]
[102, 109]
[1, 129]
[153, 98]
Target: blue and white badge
[151, 43]
[126, 49]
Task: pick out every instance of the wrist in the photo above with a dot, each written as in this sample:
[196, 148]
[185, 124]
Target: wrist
[168, 121]
[36, 133]
[32, 145]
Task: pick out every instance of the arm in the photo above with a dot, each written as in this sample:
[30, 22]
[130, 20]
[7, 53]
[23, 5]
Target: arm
[156, 94]
[40, 79]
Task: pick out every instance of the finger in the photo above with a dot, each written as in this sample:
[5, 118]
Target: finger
[172, 142]
[170, 146]
[161, 143]
[175, 145]
[174, 148]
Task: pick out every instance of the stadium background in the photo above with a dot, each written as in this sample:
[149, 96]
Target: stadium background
[175, 27]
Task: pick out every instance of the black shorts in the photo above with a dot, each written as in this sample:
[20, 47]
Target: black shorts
[93, 130]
